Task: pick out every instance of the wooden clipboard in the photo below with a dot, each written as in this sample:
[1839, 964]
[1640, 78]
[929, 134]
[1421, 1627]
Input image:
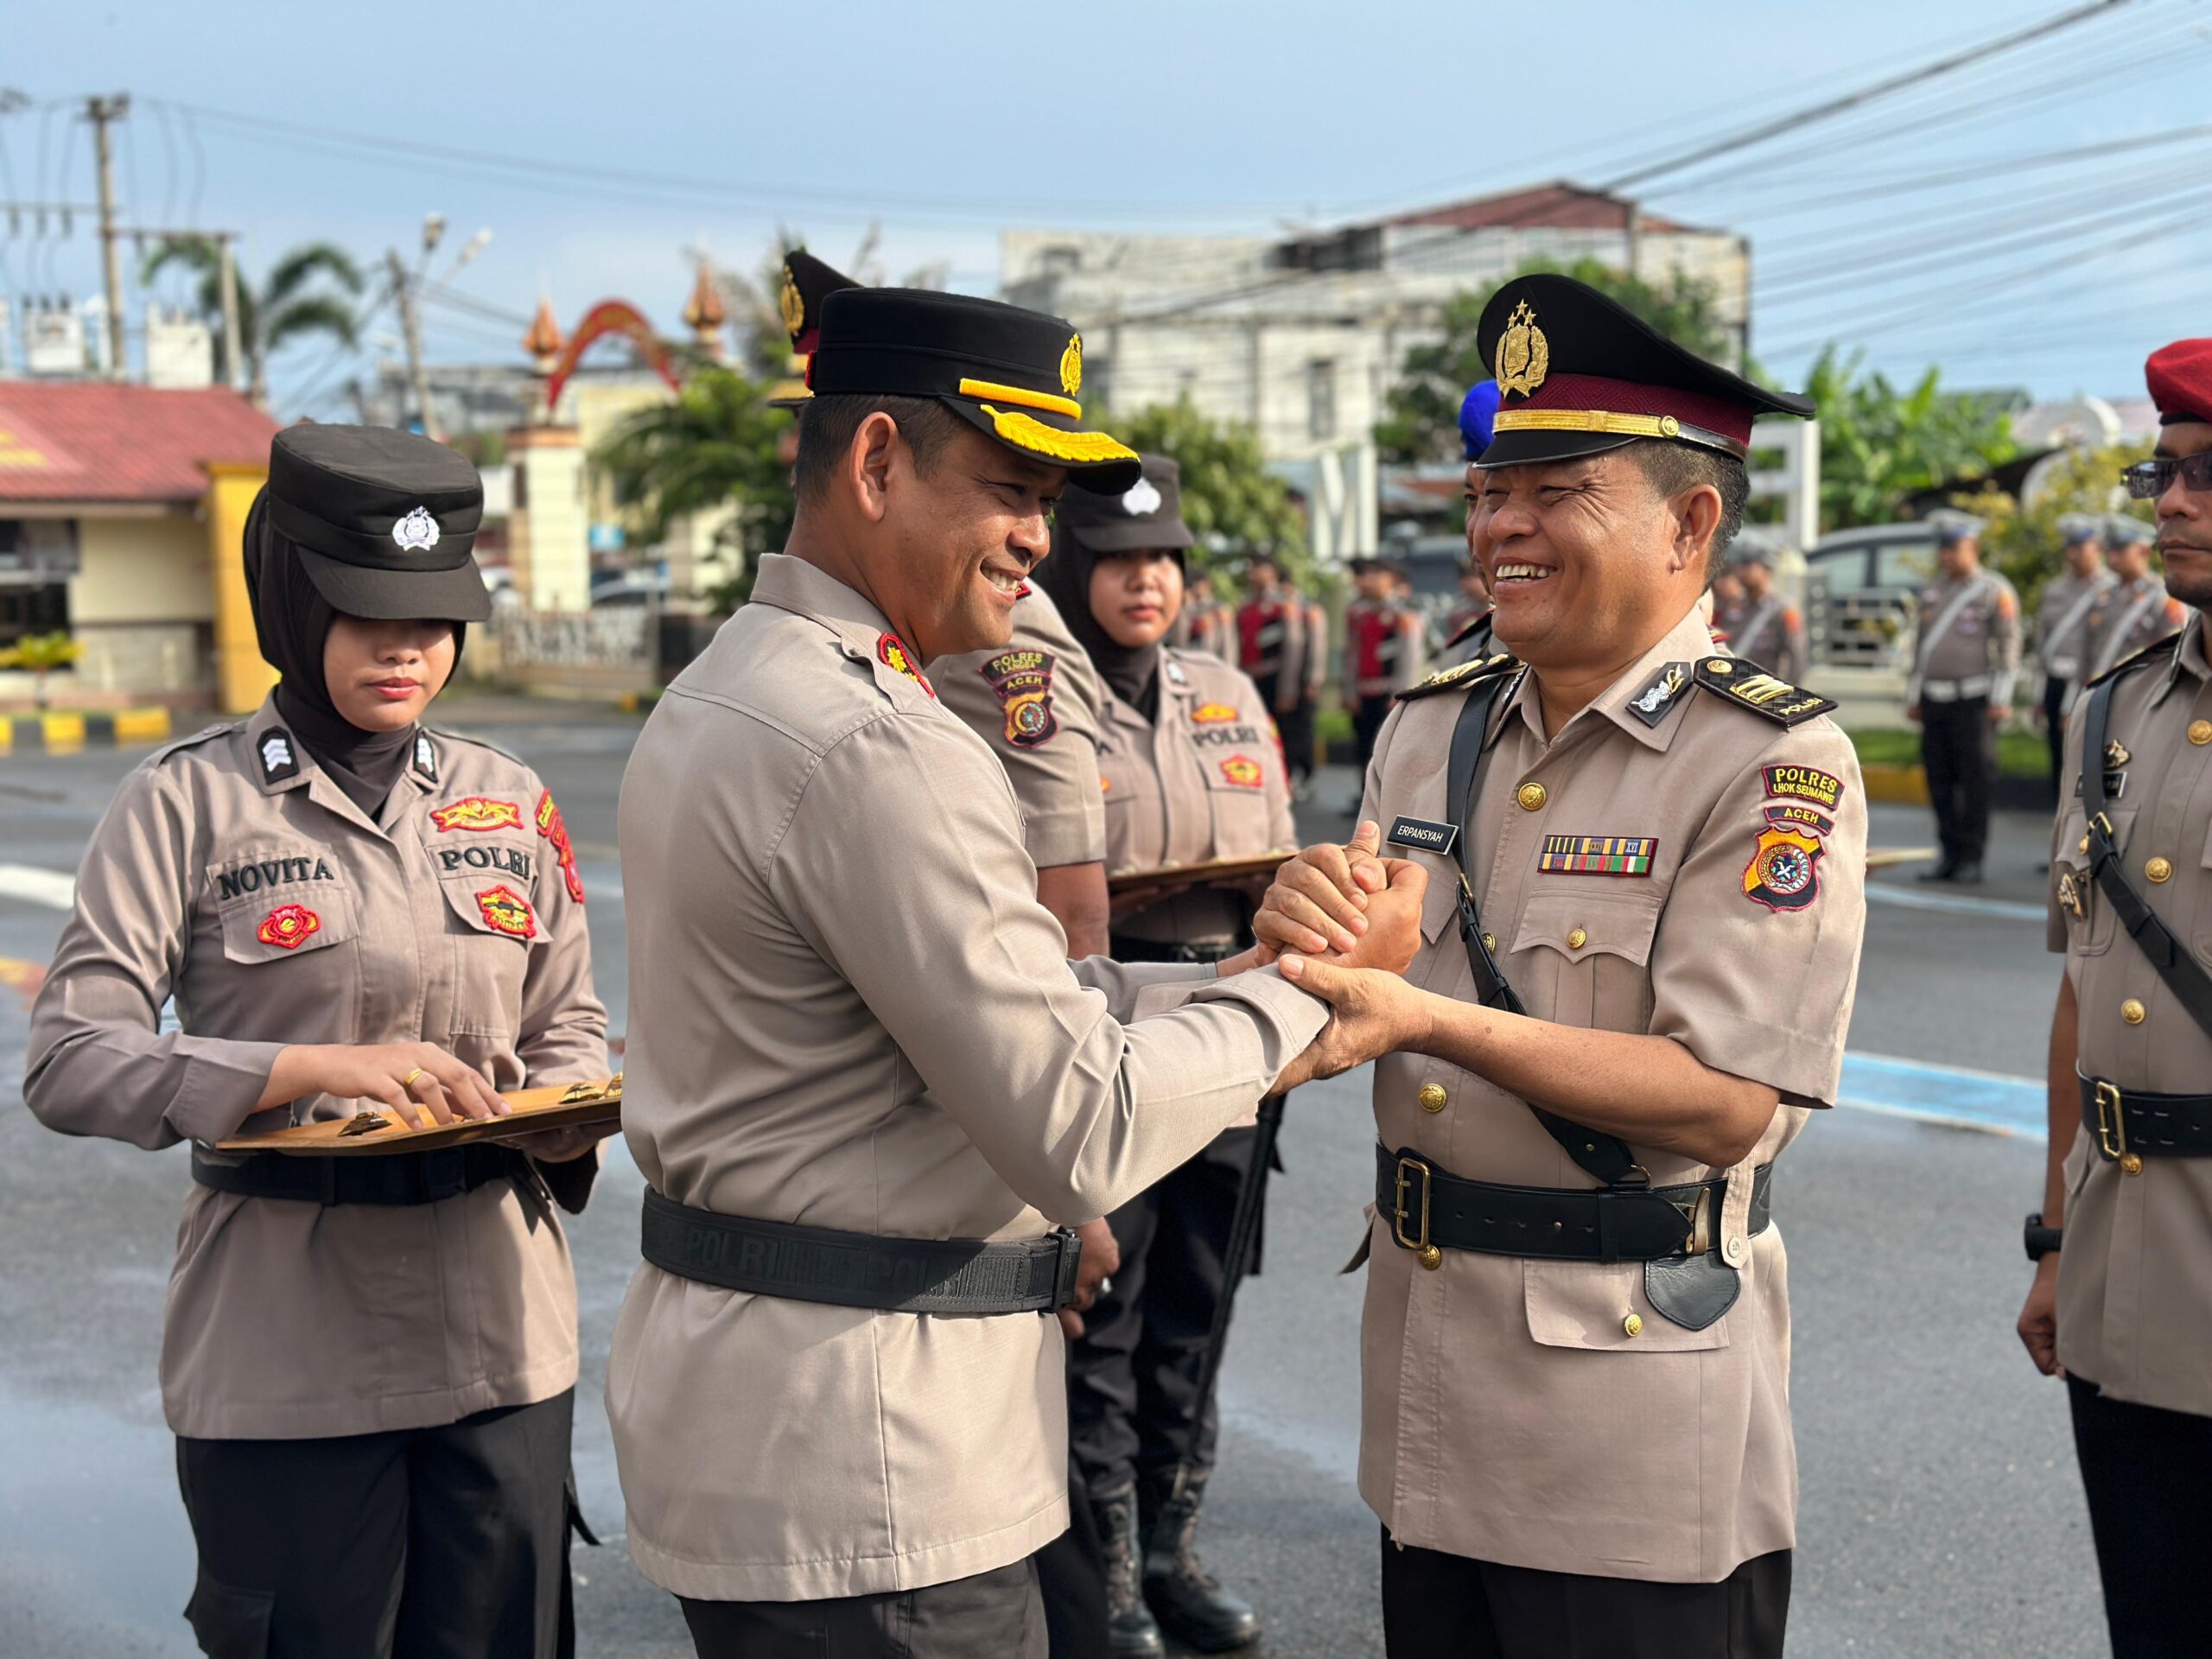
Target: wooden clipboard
[558, 1107]
[1219, 869]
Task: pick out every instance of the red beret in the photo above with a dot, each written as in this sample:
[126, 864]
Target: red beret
[2180, 377]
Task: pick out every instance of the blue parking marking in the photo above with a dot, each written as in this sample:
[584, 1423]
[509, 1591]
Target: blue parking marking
[1945, 1093]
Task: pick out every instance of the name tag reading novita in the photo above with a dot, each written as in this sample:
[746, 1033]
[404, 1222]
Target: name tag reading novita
[1422, 835]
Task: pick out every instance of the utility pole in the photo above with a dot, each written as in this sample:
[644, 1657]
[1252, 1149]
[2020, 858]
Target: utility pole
[103, 112]
[226, 250]
[410, 329]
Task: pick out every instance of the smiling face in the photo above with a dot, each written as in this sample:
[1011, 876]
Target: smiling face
[962, 536]
[2185, 518]
[1589, 563]
[1136, 596]
[383, 675]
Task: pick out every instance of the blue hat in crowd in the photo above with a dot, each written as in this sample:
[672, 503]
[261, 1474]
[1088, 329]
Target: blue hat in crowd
[1477, 412]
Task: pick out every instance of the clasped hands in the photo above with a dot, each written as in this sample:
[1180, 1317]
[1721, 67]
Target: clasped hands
[1344, 923]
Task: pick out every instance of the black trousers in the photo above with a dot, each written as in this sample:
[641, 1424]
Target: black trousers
[997, 1613]
[424, 1543]
[1133, 1375]
[1435, 1604]
[1958, 746]
[2054, 732]
[2145, 1472]
[1071, 1578]
[1294, 725]
[1368, 714]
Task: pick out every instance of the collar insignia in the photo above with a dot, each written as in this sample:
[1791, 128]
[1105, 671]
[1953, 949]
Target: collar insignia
[279, 761]
[1524, 354]
[426, 756]
[417, 532]
[891, 651]
[1657, 700]
[1175, 673]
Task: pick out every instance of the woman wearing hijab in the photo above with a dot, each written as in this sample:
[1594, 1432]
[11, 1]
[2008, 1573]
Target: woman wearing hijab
[1192, 772]
[368, 1362]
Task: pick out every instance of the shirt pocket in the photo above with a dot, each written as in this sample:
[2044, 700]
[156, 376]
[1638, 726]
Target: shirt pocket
[1588, 949]
[495, 925]
[1236, 795]
[280, 904]
[2090, 923]
[1589, 1305]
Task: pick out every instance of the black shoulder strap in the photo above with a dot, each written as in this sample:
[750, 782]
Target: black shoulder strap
[1602, 1157]
[2191, 984]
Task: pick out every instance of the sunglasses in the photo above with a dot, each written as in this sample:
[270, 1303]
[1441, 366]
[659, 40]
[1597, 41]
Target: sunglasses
[2149, 480]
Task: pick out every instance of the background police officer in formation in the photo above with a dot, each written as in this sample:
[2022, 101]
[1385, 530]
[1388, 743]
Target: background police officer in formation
[1764, 627]
[2121, 1303]
[1281, 644]
[2062, 626]
[2135, 609]
[1383, 648]
[1966, 659]
[368, 1362]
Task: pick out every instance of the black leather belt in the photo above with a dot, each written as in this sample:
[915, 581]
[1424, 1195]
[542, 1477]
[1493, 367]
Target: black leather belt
[394, 1179]
[894, 1275]
[2128, 1124]
[1429, 1207]
[1123, 948]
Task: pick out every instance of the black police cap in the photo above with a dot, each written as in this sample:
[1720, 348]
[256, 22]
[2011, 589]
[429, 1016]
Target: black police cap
[1012, 374]
[1579, 373]
[1149, 514]
[386, 521]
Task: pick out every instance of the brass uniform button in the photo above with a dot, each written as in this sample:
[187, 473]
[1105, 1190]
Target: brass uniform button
[2158, 869]
[2130, 1163]
[2132, 1012]
[2200, 732]
[1576, 939]
[1633, 1325]
[1431, 1096]
[1431, 1257]
[1531, 795]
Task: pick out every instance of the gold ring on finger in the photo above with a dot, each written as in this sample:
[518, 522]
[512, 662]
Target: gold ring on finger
[408, 1082]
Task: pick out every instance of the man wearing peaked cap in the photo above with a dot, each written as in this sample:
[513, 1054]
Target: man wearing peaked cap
[2062, 628]
[1631, 841]
[2121, 1303]
[1965, 657]
[2136, 608]
[1767, 630]
[867, 1082]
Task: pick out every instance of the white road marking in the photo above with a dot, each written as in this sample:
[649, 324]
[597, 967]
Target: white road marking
[1881, 893]
[56, 889]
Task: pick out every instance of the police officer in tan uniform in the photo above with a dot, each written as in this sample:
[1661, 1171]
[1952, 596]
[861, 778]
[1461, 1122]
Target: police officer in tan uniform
[368, 1362]
[1960, 691]
[2062, 614]
[867, 1074]
[1191, 772]
[1208, 622]
[2136, 609]
[2124, 1309]
[1769, 631]
[1641, 936]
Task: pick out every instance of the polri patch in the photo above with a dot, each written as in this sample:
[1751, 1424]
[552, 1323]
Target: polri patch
[1023, 681]
[289, 926]
[555, 831]
[1597, 855]
[1784, 873]
[506, 910]
[1423, 835]
[1242, 772]
[891, 651]
[478, 813]
[1661, 694]
[1824, 790]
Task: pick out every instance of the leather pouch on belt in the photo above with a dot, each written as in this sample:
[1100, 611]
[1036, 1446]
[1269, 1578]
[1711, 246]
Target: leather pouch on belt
[1692, 1290]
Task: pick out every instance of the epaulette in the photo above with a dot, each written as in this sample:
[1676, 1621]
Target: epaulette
[205, 733]
[1474, 626]
[1461, 674]
[2134, 660]
[1747, 685]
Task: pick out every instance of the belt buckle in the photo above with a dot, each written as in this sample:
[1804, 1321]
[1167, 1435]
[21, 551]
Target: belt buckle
[1066, 1261]
[1430, 1255]
[1699, 1214]
[2112, 1131]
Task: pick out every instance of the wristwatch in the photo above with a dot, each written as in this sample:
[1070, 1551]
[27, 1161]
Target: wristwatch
[2041, 1240]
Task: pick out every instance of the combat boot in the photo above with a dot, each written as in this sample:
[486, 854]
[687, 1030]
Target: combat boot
[1190, 1603]
[1130, 1631]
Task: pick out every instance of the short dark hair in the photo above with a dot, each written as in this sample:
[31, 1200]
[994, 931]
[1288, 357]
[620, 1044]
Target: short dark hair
[1673, 467]
[828, 424]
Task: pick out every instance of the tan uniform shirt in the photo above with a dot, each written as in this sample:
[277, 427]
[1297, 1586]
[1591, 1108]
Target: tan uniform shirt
[1507, 1415]
[1036, 703]
[1976, 652]
[2131, 615]
[1205, 781]
[852, 1013]
[231, 874]
[2062, 616]
[2135, 1278]
[1770, 633]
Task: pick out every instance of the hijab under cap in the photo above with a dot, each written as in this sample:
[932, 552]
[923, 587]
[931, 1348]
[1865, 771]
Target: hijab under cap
[1149, 514]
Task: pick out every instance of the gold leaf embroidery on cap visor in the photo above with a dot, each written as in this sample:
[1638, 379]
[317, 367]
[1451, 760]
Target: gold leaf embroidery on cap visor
[1083, 449]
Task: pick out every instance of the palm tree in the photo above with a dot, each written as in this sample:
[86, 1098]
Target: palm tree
[284, 309]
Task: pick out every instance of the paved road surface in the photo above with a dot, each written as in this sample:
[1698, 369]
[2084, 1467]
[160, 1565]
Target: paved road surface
[1941, 1514]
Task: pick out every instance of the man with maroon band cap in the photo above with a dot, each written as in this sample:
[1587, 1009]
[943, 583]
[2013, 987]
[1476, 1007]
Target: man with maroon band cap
[2124, 1311]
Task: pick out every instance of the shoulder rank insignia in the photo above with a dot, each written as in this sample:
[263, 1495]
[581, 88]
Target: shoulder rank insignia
[279, 761]
[1661, 694]
[1450, 679]
[1749, 686]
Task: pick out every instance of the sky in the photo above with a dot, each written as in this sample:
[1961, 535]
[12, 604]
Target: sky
[1952, 224]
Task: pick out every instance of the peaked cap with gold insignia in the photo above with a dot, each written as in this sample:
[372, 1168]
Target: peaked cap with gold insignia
[1579, 373]
[807, 282]
[1012, 374]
